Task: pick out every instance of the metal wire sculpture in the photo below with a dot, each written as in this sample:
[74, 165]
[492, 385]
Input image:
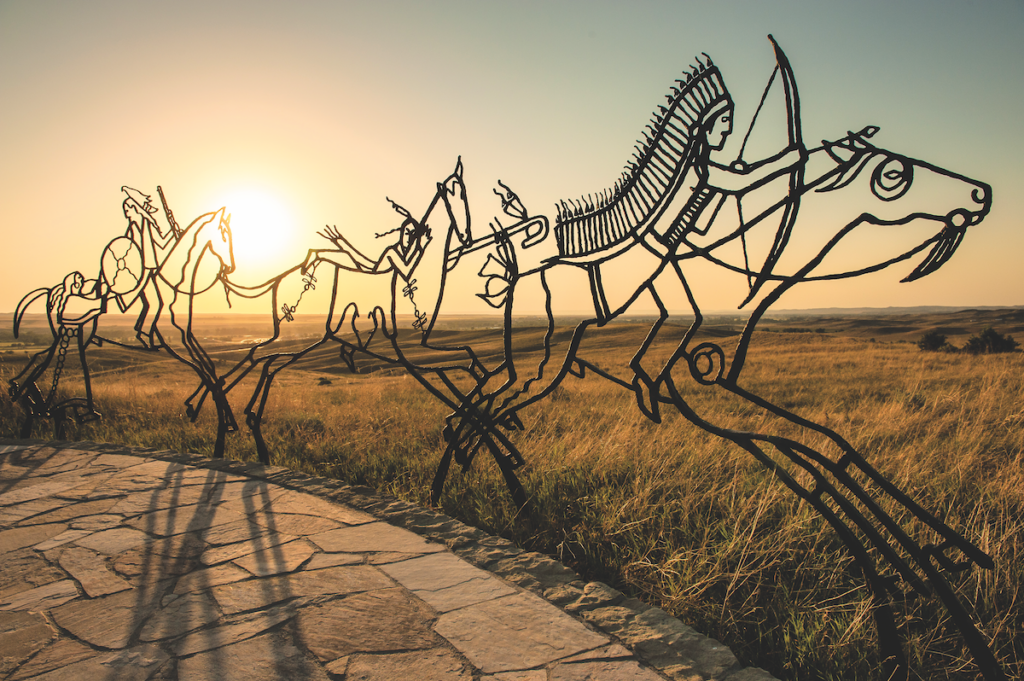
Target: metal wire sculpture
[162, 270]
[400, 312]
[666, 211]
[672, 207]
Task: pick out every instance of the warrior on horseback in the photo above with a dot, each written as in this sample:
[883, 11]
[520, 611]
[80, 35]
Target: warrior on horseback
[127, 269]
[627, 242]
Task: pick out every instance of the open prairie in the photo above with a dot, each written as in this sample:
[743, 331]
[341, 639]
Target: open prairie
[666, 512]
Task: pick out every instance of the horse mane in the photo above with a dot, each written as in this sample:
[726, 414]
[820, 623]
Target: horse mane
[852, 153]
[587, 224]
[185, 253]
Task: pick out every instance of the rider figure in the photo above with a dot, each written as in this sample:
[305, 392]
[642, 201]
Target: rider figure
[153, 242]
[401, 257]
[634, 238]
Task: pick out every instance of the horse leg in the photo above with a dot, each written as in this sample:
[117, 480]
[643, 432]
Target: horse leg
[191, 407]
[889, 638]
[649, 372]
[26, 379]
[507, 462]
[483, 433]
[228, 381]
[455, 447]
[35, 407]
[833, 476]
[218, 445]
[441, 475]
[207, 370]
[507, 469]
[923, 571]
[91, 414]
[273, 365]
[890, 641]
[60, 421]
[848, 461]
[26, 426]
[225, 418]
[254, 412]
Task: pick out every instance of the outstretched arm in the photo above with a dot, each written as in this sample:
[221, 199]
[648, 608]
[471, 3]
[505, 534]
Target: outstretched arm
[345, 255]
[343, 244]
[740, 178]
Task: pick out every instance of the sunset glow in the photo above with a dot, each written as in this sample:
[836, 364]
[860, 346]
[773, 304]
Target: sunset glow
[296, 117]
[262, 226]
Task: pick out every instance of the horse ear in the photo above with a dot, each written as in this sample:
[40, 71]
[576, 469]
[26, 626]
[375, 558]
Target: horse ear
[839, 152]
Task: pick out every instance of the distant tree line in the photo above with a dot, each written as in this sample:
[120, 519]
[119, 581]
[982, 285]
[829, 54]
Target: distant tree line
[989, 341]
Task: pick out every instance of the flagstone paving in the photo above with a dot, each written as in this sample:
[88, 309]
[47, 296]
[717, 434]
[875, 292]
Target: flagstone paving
[136, 564]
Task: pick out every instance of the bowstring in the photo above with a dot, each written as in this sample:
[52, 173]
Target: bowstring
[764, 96]
[739, 157]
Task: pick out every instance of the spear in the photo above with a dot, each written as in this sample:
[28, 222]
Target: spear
[170, 215]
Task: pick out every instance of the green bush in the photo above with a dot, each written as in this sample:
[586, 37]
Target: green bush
[933, 341]
[990, 341]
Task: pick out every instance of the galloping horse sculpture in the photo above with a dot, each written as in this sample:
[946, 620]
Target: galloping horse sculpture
[186, 271]
[646, 232]
[384, 308]
[674, 207]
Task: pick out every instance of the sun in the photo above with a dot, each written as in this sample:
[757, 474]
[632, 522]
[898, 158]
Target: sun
[262, 227]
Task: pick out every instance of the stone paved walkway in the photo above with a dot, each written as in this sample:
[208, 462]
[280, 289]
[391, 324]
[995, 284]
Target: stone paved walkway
[134, 564]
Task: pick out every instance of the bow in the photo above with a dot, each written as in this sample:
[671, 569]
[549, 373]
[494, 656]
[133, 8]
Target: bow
[796, 175]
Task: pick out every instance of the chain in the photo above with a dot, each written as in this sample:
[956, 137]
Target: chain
[309, 284]
[421, 317]
[66, 334]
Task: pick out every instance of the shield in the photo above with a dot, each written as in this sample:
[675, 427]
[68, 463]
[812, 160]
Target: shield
[122, 265]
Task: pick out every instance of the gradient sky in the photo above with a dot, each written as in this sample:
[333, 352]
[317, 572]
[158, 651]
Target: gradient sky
[324, 108]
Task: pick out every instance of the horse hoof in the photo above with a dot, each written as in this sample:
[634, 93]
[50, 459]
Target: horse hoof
[510, 421]
[647, 399]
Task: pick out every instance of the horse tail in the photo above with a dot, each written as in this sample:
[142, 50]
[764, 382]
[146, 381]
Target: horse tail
[24, 304]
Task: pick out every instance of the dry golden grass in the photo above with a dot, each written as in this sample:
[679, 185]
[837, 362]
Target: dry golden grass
[670, 513]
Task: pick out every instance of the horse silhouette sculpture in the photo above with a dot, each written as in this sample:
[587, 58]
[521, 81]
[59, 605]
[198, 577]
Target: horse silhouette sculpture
[194, 264]
[382, 308]
[773, 223]
[668, 212]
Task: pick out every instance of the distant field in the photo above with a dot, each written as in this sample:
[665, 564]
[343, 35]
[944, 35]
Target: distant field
[666, 512]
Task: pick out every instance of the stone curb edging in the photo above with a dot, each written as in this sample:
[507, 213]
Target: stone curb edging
[666, 644]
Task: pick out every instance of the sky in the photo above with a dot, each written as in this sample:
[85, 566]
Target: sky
[306, 114]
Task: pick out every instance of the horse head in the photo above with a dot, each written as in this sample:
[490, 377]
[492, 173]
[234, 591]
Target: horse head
[220, 242]
[452, 192]
[451, 196]
[896, 190]
[185, 268]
